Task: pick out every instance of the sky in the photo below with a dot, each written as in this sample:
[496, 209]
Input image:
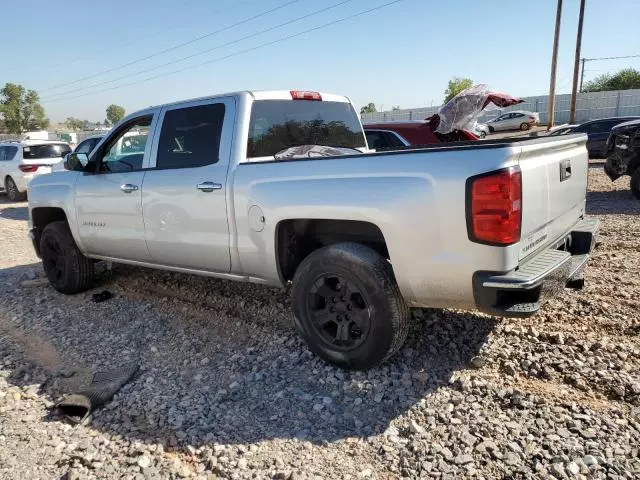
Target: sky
[82, 56]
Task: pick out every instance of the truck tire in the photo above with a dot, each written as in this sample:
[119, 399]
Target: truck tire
[12, 191]
[67, 269]
[635, 183]
[348, 307]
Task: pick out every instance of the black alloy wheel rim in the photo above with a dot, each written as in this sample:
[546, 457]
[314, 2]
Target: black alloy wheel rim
[339, 312]
[53, 259]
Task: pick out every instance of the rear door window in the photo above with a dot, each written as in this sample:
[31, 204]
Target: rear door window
[50, 150]
[276, 125]
[190, 137]
[393, 140]
[10, 152]
[375, 139]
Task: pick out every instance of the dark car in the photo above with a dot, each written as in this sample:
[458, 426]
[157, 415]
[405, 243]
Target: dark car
[597, 132]
[623, 154]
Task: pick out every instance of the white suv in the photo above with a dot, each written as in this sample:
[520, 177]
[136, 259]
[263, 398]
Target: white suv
[21, 161]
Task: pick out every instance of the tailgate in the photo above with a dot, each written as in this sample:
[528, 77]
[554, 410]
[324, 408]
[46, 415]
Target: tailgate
[554, 186]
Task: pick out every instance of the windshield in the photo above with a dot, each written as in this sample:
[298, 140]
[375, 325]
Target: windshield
[280, 124]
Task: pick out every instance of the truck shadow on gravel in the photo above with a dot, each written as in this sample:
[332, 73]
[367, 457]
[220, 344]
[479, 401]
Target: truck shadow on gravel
[615, 202]
[232, 371]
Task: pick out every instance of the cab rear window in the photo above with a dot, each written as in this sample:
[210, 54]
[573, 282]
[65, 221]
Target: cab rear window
[50, 150]
[276, 125]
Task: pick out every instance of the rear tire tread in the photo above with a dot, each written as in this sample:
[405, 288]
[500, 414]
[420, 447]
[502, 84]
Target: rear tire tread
[358, 255]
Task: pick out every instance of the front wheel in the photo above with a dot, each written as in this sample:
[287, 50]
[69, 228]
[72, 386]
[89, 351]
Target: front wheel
[635, 183]
[67, 269]
[348, 307]
[13, 193]
[482, 134]
[524, 126]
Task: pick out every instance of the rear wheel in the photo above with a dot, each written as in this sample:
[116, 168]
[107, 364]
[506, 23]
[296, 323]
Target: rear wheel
[348, 307]
[524, 126]
[12, 191]
[67, 269]
[635, 183]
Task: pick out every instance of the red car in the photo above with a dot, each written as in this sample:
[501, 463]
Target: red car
[391, 135]
[443, 127]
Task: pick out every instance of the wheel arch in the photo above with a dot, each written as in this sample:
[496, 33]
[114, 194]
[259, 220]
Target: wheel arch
[40, 218]
[297, 238]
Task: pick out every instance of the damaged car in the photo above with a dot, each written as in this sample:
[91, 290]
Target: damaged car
[456, 121]
[623, 154]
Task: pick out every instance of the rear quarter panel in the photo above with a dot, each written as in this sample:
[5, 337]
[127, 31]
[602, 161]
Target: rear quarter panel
[417, 199]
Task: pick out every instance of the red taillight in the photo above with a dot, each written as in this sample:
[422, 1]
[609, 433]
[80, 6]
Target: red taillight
[532, 118]
[28, 168]
[495, 207]
[305, 95]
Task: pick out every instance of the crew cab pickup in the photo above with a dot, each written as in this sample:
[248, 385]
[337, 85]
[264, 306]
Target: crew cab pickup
[203, 187]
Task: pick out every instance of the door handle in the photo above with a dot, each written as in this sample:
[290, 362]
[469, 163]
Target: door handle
[209, 186]
[128, 188]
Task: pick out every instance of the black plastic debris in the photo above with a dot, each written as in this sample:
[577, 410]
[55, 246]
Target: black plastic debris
[102, 296]
[78, 406]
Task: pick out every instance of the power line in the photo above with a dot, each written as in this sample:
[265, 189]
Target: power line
[610, 58]
[235, 54]
[182, 59]
[180, 45]
[139, 39]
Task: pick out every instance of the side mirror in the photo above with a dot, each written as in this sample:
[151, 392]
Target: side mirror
[76, 161]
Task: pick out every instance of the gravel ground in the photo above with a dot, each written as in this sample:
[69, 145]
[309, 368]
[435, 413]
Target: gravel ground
[226, 389]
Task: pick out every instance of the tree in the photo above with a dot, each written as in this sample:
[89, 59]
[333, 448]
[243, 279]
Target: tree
[74, 123]
[21, 110]
[623, 80]
[115, 113]
[370, 108]
[456, 85]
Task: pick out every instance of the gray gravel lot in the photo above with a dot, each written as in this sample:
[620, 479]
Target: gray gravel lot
[226, 389]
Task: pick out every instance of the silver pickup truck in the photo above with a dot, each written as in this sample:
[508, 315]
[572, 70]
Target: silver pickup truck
[201, 187]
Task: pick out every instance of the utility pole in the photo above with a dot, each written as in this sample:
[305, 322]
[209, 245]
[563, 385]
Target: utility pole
[582, 74]
[554, 62]
[576, 66]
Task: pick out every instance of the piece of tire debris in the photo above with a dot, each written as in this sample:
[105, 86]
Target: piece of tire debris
[77, 407]
[102, 296]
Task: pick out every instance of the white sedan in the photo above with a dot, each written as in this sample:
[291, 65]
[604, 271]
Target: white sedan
[515, 120]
